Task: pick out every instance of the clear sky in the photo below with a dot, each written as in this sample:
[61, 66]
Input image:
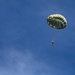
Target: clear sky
[25, 38]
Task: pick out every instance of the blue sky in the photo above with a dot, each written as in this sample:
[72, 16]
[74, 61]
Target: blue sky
[25, 38]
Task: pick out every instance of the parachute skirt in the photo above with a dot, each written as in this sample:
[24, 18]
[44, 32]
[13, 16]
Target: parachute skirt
[57, 21]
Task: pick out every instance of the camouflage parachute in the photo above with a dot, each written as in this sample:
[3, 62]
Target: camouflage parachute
[56, 21]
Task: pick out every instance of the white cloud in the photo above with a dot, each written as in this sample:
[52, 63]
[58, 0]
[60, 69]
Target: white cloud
[18, 63]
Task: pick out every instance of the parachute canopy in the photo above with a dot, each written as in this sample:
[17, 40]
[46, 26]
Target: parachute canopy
[57, 21]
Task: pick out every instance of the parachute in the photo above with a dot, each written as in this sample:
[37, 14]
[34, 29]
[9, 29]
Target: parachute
[57, 21]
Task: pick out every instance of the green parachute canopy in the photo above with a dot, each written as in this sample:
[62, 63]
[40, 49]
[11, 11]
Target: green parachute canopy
[57, 21]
